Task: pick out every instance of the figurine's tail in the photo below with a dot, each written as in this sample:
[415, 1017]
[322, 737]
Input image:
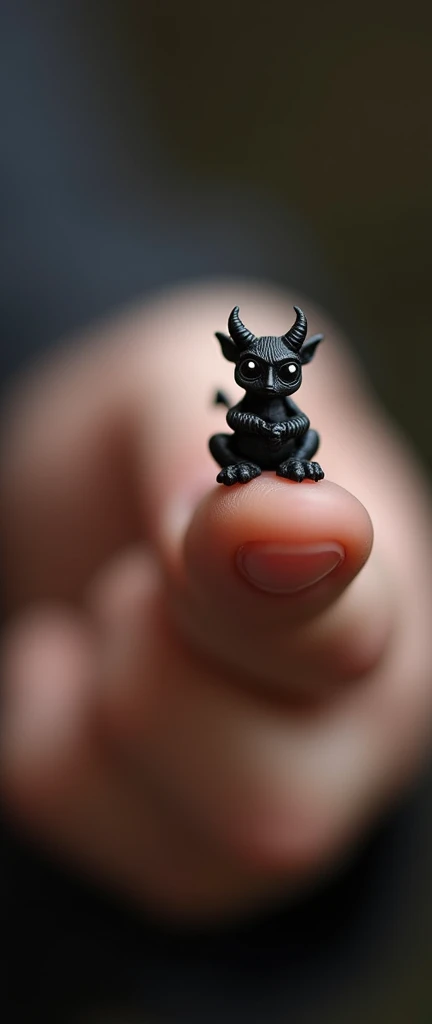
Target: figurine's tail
[220, 398]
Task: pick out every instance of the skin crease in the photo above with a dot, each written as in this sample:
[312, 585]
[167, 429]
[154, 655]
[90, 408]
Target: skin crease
[181, 735]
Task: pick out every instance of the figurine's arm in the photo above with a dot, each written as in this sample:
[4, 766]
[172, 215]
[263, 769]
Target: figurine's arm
[248, 422]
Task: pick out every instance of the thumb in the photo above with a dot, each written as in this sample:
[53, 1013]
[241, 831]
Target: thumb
[262, 581]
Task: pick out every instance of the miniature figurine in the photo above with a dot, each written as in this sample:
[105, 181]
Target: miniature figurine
[270, 431]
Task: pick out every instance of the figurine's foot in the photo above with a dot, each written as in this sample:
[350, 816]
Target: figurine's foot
[300, 469]
[239, 473]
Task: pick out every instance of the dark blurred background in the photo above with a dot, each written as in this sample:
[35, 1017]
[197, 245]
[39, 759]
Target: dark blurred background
[326, 108]
[317, 112]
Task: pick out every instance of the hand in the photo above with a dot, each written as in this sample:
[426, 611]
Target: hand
[187, 715]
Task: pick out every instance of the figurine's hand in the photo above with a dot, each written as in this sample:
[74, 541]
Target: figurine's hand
[204, 702]
[277, 436]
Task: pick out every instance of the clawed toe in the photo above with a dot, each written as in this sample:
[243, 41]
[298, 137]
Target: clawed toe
[292, 469]
[315, 471]
[238, 473]
[300, 469]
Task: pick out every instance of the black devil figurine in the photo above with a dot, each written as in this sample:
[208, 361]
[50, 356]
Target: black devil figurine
[270, 431]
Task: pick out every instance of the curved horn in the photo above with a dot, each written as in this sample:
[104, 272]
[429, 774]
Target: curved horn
[238, 331]
[295, 337]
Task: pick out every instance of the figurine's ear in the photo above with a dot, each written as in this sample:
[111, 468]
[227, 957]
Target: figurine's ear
[307, 351]
[228, 347]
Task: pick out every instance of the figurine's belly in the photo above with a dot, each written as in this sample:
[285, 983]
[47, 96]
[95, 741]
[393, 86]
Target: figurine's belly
[258, 450]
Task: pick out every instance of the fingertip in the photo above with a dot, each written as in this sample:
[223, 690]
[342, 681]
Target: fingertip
[304, 533]
[307, 510]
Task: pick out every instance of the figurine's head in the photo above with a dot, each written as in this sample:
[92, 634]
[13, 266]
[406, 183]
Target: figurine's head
[268, 365]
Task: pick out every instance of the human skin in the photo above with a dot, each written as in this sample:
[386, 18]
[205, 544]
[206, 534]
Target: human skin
[189, 737]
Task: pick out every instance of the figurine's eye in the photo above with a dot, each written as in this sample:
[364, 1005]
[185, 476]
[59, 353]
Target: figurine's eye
[250, 369]
[288, 372]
